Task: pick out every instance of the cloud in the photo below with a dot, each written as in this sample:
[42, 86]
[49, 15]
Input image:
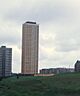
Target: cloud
[44, 11]
[16, 58]
[59, 22]
[9, 33]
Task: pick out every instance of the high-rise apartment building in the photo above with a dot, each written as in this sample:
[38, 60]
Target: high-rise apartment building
[5, 61]
[30, 38]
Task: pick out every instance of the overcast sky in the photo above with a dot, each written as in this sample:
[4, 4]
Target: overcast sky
[59, 22]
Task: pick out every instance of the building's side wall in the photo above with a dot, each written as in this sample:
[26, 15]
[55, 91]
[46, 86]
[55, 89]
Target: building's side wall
[8, 62]
[5, 61]
[0, 62]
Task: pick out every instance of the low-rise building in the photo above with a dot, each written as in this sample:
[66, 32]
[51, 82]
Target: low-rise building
[56, 70]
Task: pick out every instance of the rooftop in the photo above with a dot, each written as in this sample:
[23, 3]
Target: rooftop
[30, 22]
[3, 46]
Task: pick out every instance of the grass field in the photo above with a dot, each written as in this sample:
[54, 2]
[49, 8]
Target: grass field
[58, 85]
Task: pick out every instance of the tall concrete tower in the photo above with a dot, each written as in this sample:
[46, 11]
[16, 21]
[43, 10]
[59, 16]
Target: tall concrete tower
[30, 42]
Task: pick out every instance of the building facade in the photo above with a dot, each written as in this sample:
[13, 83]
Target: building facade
[56, 70]
[5, 61]
[77, 66]
[30, 39]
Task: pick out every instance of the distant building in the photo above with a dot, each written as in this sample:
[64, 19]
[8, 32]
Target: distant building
[64, 70]
[77, 66]
[30, 38]
[5, 61]
[47, 71]
[56, 70]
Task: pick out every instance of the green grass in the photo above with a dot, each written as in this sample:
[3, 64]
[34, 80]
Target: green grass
[58, 85]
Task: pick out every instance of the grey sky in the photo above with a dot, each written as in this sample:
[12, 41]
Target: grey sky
[59, 22]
